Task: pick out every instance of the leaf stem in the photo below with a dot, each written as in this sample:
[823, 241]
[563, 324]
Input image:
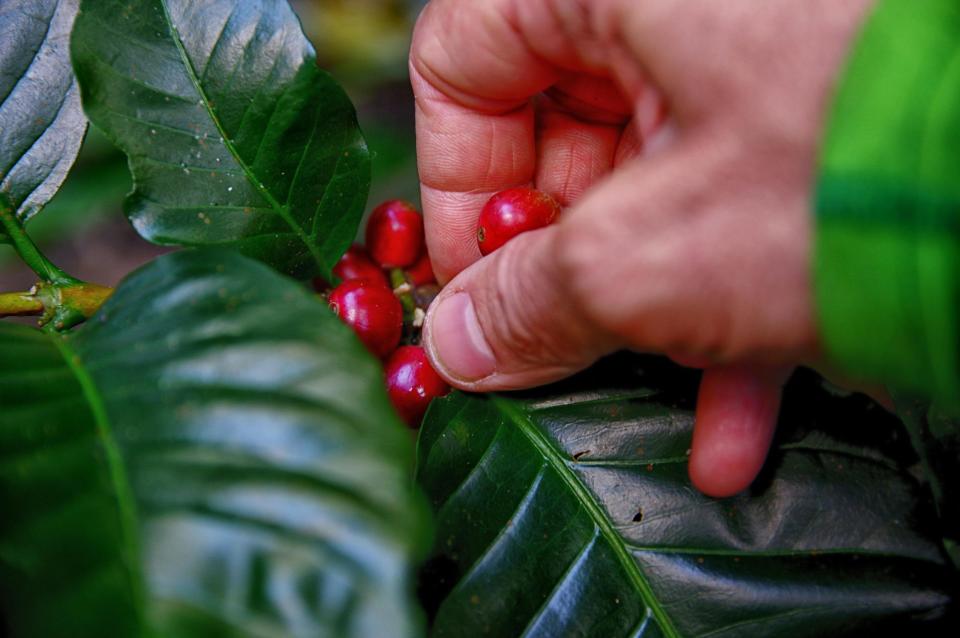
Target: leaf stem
[403, 291]
[60, 300]
[79, 302]
[59, 306]
[28, 251]
[20, 304]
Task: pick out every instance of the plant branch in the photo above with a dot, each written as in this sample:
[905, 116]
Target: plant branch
[60, 300]
[20, 304]
[79, 303]
[28, 251]
[59, 306]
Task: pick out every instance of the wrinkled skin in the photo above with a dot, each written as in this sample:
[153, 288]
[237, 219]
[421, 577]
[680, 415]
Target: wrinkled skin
[689, 236]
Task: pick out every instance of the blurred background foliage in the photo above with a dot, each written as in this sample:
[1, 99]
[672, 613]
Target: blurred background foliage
[363, 43]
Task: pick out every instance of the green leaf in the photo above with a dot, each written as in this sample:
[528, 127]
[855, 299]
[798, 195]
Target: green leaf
[935, 435]
[213, 454]
[234, 136]
[41, 123]
[568, 512]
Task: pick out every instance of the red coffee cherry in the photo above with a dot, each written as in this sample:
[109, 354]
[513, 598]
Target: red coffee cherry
[421, 272]
[356, 264]
[511, 212]
[412, 383]
[372, 311]
[395, 234]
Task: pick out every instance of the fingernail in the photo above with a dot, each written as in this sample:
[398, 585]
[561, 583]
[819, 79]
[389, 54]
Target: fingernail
[456, 339]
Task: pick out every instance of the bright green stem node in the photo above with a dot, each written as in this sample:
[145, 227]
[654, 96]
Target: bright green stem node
[403, 289]
[77, 303]
[60, 300]
[58, 306]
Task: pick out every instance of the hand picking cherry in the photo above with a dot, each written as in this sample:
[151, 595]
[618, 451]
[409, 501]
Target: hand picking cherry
[382, 316]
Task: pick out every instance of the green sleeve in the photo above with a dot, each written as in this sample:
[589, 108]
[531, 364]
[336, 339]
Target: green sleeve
[887, 237]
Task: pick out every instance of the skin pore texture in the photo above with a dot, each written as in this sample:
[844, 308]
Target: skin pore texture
[681, 138]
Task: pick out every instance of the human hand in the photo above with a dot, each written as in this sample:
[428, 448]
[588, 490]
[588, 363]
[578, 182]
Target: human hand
[690, 238]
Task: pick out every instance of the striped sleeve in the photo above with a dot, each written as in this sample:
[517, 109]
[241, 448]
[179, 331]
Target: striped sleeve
[887, 230]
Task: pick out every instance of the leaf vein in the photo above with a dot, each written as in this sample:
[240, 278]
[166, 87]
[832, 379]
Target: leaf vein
[562, 580]
[502, 533]
[487, 454]
[216, 44]
[117, 470]
[33, 57]
[104, 64]
[256, 183]
[593, 508]
[29, 147]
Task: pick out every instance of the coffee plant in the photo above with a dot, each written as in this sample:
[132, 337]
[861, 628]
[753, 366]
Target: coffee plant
[207, 450]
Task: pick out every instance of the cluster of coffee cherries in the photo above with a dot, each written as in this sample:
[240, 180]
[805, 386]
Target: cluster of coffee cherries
[384, 290]
[386, 286]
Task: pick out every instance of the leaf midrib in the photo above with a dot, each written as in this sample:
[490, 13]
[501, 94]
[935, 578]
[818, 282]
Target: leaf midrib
[228, 143]
[590, 504]
[116, 467]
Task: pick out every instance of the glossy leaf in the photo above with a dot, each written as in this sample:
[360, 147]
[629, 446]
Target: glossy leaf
[235, 136]
[41, 122]
[935, 435]
[568, 512]
[212, 455]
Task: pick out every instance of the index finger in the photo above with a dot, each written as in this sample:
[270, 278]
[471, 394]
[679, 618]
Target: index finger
[473, 78]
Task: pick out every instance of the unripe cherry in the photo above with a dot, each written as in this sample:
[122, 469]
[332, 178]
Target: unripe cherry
[511, 212]
[372, 311]
[395, 234]
[356, 264]
[412, 383]
[421, 272]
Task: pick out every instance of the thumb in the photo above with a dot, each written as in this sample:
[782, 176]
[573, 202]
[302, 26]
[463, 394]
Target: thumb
[508, 321]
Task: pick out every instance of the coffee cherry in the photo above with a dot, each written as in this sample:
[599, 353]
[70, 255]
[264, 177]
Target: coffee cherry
[372, 311]
[511, 212]
[355, 264]
[412, 383]
[395, 234]
[421, 272]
